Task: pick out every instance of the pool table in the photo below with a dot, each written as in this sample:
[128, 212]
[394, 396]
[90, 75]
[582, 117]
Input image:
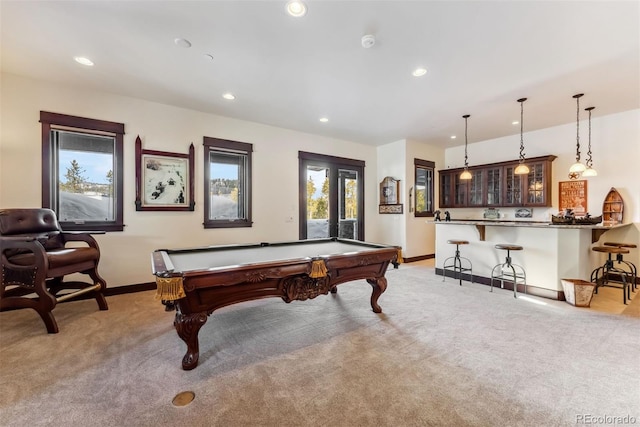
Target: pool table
[201, 280]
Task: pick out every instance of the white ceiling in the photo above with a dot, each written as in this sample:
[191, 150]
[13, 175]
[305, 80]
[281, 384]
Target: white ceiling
[288, 72]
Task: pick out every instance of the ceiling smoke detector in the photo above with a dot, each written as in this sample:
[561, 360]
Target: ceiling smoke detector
[368, 41]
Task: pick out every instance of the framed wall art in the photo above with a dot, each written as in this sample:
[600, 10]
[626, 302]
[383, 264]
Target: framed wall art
[573, 195]
[390, 196]
[164, 180]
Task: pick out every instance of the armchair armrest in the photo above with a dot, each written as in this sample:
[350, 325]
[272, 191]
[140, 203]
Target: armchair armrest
[21, 244]
[82, 236]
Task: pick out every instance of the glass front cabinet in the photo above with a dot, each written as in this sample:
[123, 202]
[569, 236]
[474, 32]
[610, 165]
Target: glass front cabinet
[497, 185]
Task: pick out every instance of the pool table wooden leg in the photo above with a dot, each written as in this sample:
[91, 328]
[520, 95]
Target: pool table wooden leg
[188, 326]
[379, 285]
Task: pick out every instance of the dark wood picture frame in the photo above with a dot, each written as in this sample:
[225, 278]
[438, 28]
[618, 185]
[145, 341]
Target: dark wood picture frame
[174, 168]
[573, 195]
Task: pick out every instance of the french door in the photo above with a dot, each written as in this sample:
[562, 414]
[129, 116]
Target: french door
[331, 197]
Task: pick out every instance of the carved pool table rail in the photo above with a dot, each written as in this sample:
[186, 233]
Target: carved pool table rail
[291, 280]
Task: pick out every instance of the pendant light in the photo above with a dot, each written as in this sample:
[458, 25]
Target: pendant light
[465, 175]
[577, 168]
[590, 171]
[522, 168]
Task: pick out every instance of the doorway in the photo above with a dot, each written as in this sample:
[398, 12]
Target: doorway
[331, 197]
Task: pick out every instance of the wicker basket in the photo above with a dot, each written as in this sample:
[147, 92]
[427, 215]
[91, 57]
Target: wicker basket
[578, 292]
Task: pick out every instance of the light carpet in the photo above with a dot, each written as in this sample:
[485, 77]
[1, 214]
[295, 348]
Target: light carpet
[439, 355]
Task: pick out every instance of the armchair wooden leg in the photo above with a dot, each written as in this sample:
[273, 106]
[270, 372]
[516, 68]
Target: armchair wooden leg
[49, 321]
[100, 299]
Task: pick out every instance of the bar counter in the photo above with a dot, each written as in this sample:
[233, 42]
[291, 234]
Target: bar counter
[550, 251]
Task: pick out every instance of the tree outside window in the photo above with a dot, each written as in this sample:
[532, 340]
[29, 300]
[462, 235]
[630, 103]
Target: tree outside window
[82, 171]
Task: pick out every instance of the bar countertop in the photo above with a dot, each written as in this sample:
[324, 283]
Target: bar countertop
[513, 223]
[596, 229]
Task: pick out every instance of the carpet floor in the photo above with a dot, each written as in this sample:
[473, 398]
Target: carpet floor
[439, 355]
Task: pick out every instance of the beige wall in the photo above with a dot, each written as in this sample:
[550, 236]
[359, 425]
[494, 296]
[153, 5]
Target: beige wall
[126, 255]
[615, 144]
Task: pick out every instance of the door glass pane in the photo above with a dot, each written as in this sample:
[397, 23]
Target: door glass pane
[493, 186]
[536, 186]
[317, 202]
[513, 192]
[475, 188]
[347, 204]
[85, 165]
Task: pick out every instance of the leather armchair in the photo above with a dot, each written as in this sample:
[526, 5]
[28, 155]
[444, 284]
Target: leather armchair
[34, 257]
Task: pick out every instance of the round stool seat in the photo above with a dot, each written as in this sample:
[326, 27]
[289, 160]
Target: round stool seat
[621, 245]
[458, 242]
[508, 247]
[610, 249]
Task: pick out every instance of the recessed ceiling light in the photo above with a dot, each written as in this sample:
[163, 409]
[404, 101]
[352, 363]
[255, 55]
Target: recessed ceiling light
[84, 61]
[324, 119]
[296, 8]
[182, 42]
[229, 96]
[419, 72]
[515, 122]
[453, 137]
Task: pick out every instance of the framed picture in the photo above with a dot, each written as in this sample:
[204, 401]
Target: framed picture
[389, 191]
[164, 180]
[573, 195]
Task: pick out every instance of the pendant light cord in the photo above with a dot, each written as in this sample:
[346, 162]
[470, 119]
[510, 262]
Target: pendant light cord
[589, 160]
[466, 165]
[522, 129]
[577, 97]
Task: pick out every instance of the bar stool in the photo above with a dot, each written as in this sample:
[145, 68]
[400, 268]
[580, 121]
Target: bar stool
[456, 260]
[632, 267]
[509, 271]
[601, 274]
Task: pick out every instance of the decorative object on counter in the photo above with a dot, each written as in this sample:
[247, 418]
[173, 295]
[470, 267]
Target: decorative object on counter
[436, 216]
[589, 171]
[447, 216]
[522, 168]
[577, 168]
[573, 195]
[588, 219]
[633, 270]
[389, 196]
[491, 213]
[465, 174]
[603, 275]
[578, 292]
[561, 219]
[524, 213]
[509, 271]
[613, 207]
[454, 263]
[569, 218]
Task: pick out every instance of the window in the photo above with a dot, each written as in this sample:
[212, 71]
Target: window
[82, 171]
[227, 183]
[424, 171]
